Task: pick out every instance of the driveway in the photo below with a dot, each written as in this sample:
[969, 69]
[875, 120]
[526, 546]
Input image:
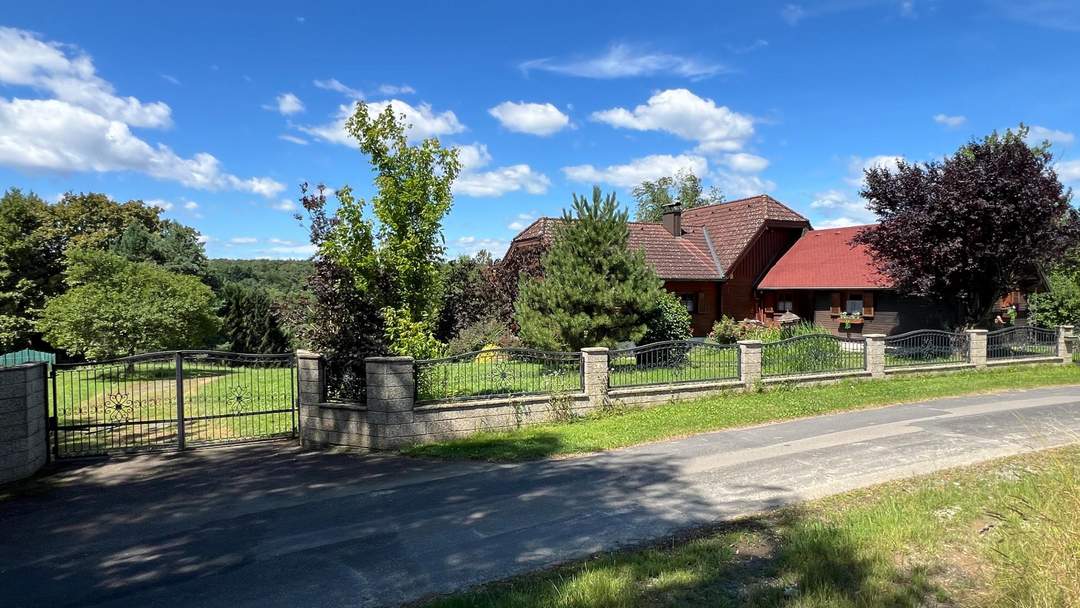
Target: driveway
[268, 525]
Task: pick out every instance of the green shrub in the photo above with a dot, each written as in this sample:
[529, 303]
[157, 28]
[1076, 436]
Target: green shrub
[725, 331]
[669, 321]
[411, 338]
[477, 335]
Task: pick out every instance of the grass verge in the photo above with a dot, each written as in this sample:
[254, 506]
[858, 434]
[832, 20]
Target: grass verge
[1002, 533]
[625, 427]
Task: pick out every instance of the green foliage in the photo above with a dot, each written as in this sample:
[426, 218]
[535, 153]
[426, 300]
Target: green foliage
[115, 307]
[249, 322]
[283, 279]
[174, 247]
[486, 331]
[30, 266]
[468, 294]
[1060, 303]
[726, 330]
[595, 290]
[396, 258]
[411, 338]
[683, 189]
[669, 320]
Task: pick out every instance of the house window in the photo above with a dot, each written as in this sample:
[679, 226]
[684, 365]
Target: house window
[690, 302]
[783, 306]
[854, 304]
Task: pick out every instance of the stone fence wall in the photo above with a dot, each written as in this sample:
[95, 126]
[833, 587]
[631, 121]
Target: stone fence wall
[23, 445]
[390, 418]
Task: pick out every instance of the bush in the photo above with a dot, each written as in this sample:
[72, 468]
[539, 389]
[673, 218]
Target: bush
[411, 338]
[725, 331]
[477, 336]
[669, 321]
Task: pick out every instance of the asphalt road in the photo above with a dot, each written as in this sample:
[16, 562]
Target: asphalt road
[268, 525]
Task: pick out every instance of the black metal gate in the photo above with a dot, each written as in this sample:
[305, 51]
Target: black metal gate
[171, 400]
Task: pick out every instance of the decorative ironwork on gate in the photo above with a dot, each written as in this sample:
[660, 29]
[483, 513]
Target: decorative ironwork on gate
[1021, 342]
[171, 400]
[926, 347]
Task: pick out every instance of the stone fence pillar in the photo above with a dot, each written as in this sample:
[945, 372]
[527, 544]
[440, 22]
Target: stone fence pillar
[23, 436]
[311, 370]
[875, 354]
[594, 361]
[1064, 332]
[391, 395]
[750, 362]
[977, 347]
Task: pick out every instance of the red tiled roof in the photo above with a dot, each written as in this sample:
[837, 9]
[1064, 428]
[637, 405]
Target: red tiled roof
[826, 259]
[714, 237]
[732, 225]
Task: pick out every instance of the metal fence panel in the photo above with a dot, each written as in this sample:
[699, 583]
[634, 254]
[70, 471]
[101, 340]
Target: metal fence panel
[171, 399]
[927, 347]
[672, 363]
[498, 372]
[812, 354]
[1021, 342]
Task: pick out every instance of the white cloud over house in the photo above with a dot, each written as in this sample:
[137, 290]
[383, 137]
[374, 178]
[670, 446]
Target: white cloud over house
[638, 170]
[475, 181]
[532, 118]
[680, 112]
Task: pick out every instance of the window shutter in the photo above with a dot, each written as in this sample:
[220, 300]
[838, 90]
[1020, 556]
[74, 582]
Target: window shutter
[836, 306]
[702, 303]
[868, 305]
[770, 303]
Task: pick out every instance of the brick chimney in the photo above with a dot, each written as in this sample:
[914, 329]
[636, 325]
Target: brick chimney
[672, 219]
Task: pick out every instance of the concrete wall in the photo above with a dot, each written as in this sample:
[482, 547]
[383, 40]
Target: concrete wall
[390, 418]
[23, 445]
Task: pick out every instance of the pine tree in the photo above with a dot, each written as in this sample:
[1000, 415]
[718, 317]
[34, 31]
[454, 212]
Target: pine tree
[248, 321]
[595, 290]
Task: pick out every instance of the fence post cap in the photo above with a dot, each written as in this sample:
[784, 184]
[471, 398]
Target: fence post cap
[750, 342]
[875, 336]
[595, 349]
[1066, 327]
[976, 331]
[388, 359]
[307, 354]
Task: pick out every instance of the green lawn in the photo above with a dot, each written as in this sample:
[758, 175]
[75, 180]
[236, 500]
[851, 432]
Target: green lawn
[700, 362]
[496, 374]
[623, 427]
[135, 406]
[1001, 534]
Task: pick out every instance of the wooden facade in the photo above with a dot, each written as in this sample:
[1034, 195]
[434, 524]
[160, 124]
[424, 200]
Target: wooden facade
[738, 298]
[702, 299]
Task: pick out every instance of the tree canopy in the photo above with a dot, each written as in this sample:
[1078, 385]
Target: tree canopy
[684, 188]
[595, 290]
[966, 230]
[249, 322]
[115, 307]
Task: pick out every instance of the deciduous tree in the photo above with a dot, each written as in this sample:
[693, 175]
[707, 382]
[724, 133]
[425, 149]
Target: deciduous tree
[966, 230]
[683, 188]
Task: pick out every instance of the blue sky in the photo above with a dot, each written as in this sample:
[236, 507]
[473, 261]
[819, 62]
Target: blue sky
[217, 111]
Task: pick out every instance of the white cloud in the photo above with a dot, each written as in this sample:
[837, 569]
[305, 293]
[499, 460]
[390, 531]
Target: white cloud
[243, 240]
[287, 104]
[532, 118]
[743, 162]
[26, 60]
[792, 14]
[300, 141]
[858, 166]
[950, 121]
[638, 170]
[336, 86]
[288, 249]
[54, 135]
[422, 120]
[1069, 171]
[160, 204]
[498, 181]
[171, 79]
[285, 205]
[622, 61]
[204, 239]
[851, 208]
[684, 114]
[741, 185]
[522, 220]
[470, 245]
[191, 205]
[396, 89]
[1037, 135]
